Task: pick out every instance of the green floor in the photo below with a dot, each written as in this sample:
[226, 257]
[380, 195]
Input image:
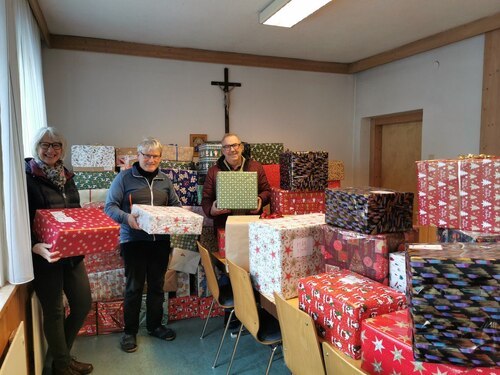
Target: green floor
[187, 354]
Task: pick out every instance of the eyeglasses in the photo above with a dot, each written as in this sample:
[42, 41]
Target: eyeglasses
[149, 156]
[229, 147]
[46, 145]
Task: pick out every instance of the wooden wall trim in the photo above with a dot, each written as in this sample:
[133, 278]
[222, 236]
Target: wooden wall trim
[40, 20]
[490, 110]
[191, 54]
[397, 118]
[453, 35]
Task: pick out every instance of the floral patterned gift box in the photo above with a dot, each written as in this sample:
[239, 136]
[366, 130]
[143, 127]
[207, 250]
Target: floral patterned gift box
[76, 231]
[167, 219]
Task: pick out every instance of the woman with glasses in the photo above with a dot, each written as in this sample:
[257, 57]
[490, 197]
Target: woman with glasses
[51, 185]
[145, 255]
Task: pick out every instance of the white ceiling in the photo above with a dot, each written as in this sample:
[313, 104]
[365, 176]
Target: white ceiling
[343, 31]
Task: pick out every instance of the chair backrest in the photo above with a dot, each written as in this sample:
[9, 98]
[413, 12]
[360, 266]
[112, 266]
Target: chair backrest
[245, 305]
[208, 265]
[337, 363]
[301, 347]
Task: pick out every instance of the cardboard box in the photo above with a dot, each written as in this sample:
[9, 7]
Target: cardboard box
[76, 231]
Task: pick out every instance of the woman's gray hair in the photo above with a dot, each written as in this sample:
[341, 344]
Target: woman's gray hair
[150, 143]
[54, 136]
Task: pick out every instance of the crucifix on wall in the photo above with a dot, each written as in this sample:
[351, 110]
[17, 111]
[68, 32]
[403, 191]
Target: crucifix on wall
[226, 87]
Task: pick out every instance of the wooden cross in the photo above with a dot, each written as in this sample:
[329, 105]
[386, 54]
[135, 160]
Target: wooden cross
[226, 87]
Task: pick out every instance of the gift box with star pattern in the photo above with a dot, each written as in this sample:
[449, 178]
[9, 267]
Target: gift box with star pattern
[339, 301]
[462, 194]
[288, 202]
[76, 231]
[281, 251]
[237, 190]
[453, 291]
[365, 254]
[386, 343]
[167, 219]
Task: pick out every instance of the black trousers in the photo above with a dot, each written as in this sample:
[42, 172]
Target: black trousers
[50, 283]
[145, 261]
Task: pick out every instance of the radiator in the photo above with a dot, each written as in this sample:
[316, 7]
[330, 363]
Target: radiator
[16, 360]
[39, 342]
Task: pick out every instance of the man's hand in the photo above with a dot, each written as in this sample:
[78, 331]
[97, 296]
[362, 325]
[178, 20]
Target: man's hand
[43, 249]
[214, 211]
[259, 206]
[132, 222]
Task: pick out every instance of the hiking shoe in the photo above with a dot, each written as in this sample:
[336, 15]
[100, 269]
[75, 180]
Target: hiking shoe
[163, 333]
[128, 343]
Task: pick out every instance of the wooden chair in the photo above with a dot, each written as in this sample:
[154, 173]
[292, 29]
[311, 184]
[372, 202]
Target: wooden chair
[222, 295]
[337, 363]
[301, 347]
[259, 323]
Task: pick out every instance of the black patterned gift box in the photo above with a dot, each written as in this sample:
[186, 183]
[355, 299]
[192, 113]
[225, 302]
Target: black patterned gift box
[369, 210]
[94, 180]
[185, 185]
[458, 235]
[303, 170]
[266, 153]
[454, 295]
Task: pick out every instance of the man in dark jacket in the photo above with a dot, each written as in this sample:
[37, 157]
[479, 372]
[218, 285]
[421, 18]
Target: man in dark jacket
[232, 160]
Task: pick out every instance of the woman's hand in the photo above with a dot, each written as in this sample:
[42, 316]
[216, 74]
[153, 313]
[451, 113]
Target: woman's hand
[214, 211]
[132, 222]
[43, 249]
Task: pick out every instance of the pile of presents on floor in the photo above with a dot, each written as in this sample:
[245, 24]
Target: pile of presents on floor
[350, 255]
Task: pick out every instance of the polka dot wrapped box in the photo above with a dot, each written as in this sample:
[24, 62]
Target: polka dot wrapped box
[76, 231]
[237, 190]
[167, 219]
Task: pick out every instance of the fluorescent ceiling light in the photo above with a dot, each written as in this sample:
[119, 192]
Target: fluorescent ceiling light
[286, 13]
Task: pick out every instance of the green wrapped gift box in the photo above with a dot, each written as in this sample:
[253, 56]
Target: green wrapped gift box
[237, 190]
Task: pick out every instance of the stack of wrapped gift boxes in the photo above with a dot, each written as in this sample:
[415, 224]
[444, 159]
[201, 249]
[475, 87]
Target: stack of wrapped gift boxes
[303, 180]
[335, 173]
[268, 154]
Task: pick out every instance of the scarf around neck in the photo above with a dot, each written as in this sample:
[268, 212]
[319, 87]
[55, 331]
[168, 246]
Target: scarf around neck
[55, 174]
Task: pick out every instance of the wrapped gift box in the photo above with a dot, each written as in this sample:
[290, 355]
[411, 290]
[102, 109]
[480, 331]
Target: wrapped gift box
[287, 202]
[184, 241]
[458, 235]
[94, 180]
[204, 307]
[397, 271]
[89, 327]
[387, 349]
[177, 153]
[453, 291]
[237, 190]
[76, 231]
[182, 284]
[462, 194]
[272, 172]
[201, 289]
[125, 157]
[173, 164]
[340, 301]
[266, 153]
[304, 170]
[237, 240]
[333, 184]
[221, 241]
[365, 254]
[183, 307]
[167, 219]
[210, 150]
[204, 165]
[93, 195]
[185, 185]
[107, 285]
[369, 210]
[99, 262]
[281, 251]
[335, 170]
[90, 158]
[207, 222]
[208, 239]
[110, 317]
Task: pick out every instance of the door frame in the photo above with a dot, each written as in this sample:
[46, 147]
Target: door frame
[376, 126]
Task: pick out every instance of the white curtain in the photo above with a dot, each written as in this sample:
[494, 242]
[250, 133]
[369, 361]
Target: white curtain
[16, 242]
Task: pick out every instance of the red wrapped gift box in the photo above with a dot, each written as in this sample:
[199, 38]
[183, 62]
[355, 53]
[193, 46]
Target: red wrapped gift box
[387, 349]
[288, 202]
[100, 262]
[273, 174]
[89, 327]
[183, 307]
[339, 301]
[76, 231]
[221, 241]
[461, 194]
[205, 306]
[365, 254]
[110, 317]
